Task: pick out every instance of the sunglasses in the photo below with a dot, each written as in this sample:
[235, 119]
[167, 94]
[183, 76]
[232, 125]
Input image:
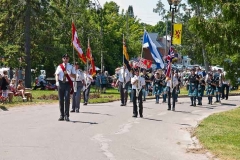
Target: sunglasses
[65, 58]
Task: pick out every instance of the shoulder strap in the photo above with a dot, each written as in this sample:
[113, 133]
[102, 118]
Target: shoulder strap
[69, 79]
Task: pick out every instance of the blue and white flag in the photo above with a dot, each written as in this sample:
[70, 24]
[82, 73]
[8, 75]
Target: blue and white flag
[148, 43]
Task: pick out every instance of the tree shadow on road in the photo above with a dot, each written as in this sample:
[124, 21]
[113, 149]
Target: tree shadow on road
[84, 122]
[151, 119]
[96, 113]
[186, 112]
[228, 104]
[3, 108]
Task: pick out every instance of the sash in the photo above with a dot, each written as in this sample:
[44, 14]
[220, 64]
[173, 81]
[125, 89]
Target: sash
[69, 79]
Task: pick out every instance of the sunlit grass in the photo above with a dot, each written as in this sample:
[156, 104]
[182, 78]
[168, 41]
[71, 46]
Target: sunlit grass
[220, 133]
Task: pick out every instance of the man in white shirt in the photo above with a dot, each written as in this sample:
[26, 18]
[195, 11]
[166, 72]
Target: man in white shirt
[138, 83]
[63, 75]
[171, 91]
[88, 81]
[124, 78]
[78, 84]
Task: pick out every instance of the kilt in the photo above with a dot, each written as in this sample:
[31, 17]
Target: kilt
[158, 89]
[218, 89]
[210, 91]
[192, 90]
[200, 91]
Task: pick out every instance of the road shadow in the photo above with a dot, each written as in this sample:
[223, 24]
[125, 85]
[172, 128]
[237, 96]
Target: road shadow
[186, 112]
[151, 119]
[228, 104]
[3, 108]
[96, 113]
[183, 124]
[84, 122]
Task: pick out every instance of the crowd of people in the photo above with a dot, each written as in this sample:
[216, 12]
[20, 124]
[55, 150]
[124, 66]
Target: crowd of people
[198, 83]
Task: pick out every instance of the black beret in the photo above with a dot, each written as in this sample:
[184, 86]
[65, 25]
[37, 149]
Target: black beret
[65, 55]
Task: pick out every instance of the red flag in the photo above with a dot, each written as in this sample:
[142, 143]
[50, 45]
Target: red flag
[89, 53]
[147, 62]
[93, 68]
[76, 44]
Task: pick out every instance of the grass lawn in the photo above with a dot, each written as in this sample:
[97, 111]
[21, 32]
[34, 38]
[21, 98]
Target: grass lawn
[220, 133]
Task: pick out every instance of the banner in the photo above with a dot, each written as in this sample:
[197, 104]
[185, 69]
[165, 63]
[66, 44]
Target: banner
[177, 33]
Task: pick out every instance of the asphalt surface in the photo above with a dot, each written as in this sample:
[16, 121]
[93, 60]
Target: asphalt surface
[105, 131]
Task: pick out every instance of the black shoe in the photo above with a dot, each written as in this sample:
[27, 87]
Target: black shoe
[144, 99]
[141, 116]
[191, 105]
[72, 111]
[135, 116]
[169, 109]
[85, 103]
[77, 110]
[226, 98]
[122, 104]
[173, 109]
[176, 100]
[61, 119]
[67, 119]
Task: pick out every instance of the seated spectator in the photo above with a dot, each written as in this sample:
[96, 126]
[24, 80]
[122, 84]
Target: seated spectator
[21, 88]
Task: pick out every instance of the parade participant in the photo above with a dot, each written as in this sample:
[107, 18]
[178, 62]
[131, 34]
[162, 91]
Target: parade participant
[201, 88]
[124, 78]
[86, 89]
[171, 91]
[225, 85]
[64, 83]
[130, 92]
[138, 83]
[220, 86]
[78, 84]
[148, 84]
[157, 86]
[192, 90]
[217, 79]
[176, 75]
[211, 86]
[164, 88]
[5, 82]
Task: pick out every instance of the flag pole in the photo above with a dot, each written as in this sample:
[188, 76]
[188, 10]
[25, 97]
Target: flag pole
[72, 43]
[143, 41]
[88, 48]
[123, 49]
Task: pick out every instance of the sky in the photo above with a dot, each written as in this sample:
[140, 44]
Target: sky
[143, 9]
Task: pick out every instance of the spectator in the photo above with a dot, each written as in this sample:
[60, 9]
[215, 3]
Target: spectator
[103, 82]
[4, 85]
[21, 88]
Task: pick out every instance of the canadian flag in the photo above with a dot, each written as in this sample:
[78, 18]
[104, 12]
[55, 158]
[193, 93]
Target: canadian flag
[76, 44]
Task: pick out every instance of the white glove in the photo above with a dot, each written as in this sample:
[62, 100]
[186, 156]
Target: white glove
[57, 83]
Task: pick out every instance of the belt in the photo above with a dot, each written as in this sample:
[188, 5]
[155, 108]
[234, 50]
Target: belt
[78, 81]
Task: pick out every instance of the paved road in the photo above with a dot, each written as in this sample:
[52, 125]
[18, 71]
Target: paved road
[104, 131]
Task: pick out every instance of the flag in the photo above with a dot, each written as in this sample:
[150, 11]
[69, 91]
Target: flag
[93, 68]
[89, 52]
[177, 33]
[76, 44]
[126, 56]
[147, 62]
[169, 63]
[156, 55]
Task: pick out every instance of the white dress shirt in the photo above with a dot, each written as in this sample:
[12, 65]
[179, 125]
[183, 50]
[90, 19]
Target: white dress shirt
[69, 68]
[140, 84]
[175, 82]
[123, 73]
[79, 75]
[88, 78]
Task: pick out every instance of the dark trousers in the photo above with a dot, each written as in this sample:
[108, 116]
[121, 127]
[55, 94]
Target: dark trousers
[64, 98]
[123, 92]
[86, 94]
[173, 95]
[140, 104]
[225, 86]
[76, 98]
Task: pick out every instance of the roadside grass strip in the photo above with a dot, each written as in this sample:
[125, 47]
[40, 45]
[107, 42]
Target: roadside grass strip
[220, 134]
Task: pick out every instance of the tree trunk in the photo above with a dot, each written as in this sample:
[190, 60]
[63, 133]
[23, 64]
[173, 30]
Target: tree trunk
[206, 64]
[27, 46]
